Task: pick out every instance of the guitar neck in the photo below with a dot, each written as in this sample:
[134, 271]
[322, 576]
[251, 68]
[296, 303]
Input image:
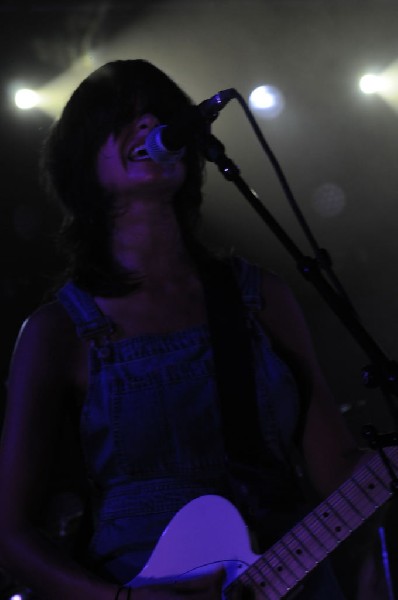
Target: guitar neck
[311, 540]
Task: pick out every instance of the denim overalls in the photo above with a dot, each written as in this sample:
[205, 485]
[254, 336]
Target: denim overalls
[150, 431]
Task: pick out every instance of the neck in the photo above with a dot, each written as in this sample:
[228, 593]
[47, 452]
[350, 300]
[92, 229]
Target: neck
[147, 239]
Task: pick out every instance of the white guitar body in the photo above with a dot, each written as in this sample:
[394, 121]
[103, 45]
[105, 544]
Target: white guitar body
[205, 534]
[209, 532]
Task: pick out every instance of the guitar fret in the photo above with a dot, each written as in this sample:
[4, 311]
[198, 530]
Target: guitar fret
[342, 523]
[277, 580]
[258, 573]
[315, 528]
[264, 577]
[372, 487]
[288, 561]
[249, 581]
[382, 483]
[301, 551]
[372, 504]
[362, 503]
[317, 523]
[315, 543]
[351, 513]
[376, 489]
[270, 574]
[294, 557]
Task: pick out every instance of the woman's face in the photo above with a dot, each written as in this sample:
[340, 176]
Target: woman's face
[125, 170]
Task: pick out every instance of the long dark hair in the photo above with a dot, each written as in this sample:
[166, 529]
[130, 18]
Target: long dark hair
[102, 104]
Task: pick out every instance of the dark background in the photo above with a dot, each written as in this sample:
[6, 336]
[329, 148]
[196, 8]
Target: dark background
[329, 133]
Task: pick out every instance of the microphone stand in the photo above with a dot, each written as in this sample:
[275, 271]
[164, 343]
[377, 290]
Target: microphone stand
[382, 372]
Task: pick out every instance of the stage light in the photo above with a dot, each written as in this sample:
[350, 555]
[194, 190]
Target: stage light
[267, 101]
[383, 84]
[18, 594]
[52, 96]
[373, 84]
[26, 99]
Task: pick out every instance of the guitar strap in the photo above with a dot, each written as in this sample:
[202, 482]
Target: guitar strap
[234, 365]
[235, 377]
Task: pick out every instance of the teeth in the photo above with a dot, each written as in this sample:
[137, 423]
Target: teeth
[138, 153]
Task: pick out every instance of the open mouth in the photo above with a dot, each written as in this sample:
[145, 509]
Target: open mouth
[138, 153]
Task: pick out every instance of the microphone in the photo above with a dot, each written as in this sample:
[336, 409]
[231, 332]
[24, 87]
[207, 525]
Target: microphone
[166, 143]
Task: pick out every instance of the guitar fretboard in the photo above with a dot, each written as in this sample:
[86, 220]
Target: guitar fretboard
[311, 540]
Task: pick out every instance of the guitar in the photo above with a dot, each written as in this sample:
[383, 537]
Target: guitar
[209, 532]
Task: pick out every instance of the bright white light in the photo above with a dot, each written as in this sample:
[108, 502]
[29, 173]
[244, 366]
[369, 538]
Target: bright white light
[373, 84]
[268, 100]
[26, 99]
[262, 97]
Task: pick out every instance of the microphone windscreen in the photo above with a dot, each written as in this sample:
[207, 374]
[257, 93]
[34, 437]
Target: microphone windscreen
[157, 150]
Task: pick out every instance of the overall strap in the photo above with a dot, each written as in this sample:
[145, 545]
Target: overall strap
[250, 281]
[90, 322]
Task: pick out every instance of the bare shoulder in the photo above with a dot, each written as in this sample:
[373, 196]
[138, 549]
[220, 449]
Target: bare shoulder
[50, 326]
[47, 343]
[51, 316]
[281, 309]
[285, 322]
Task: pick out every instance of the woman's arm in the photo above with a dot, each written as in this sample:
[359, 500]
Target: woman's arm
[39, 388]
[328, 446]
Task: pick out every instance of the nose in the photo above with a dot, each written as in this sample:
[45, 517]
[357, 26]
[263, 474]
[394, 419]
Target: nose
[147, 122]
